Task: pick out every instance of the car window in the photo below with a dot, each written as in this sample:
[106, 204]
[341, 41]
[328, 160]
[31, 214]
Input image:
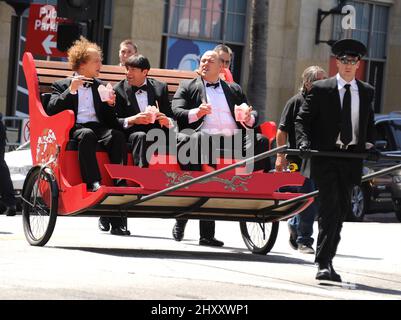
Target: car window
[396, 128]
[383, 132]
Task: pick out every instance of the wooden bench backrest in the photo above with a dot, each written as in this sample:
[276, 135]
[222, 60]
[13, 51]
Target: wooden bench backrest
[50, 71]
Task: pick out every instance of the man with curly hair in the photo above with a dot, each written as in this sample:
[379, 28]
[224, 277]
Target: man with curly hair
[95, 121]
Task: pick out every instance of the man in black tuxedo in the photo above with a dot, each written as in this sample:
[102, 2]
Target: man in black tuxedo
[133, 96]
[336, 116]
[95, 121]
[204, 110]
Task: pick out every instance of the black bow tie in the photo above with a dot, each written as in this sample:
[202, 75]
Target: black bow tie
[87, 84]
[214, 85]
[141, 88]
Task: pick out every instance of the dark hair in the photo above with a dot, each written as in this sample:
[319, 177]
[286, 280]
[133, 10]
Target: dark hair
[138, 61]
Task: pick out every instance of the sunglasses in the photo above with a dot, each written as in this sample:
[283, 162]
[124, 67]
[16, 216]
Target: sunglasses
[349, 61]
[226, 62]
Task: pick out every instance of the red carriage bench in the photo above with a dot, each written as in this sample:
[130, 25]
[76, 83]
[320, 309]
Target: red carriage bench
[54, 186]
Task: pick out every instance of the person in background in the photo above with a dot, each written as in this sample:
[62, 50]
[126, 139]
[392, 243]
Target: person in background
[301, 225]
[127, 49]
[226, 55]
[8, 202]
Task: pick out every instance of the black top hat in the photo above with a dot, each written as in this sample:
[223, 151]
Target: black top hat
[349, 47]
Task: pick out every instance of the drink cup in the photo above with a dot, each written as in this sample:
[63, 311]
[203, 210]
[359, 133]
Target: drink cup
[240, 112]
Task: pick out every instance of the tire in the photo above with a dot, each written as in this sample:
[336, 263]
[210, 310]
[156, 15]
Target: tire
[359, 204]
[39, 208]
[259, 237]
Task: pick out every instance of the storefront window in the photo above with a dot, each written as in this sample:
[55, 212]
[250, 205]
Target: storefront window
[194, 26]
[371, 29]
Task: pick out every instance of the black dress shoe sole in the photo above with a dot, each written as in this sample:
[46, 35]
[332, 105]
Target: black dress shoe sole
[328, 277]
[119, 232]
[211, 243]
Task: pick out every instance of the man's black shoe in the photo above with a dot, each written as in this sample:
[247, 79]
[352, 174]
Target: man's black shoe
[178, 230]
[323, 272]
[333, 274]
[120, 231]
[10, 211]
[104, 224]
[212, 242]
[327, 272]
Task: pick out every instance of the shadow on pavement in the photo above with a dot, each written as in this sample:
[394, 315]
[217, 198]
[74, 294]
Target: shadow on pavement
[357, 257]
[190, 255]
[362, 287]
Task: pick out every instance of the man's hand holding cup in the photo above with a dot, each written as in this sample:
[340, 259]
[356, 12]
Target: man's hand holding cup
[242, 112]
[204, 109]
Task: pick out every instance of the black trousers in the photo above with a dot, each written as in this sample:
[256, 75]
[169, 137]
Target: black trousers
[199, 142]
[206, 227]
[88, 136]
[204, 146]
[6, 185]
[140, 145]
[335, 187]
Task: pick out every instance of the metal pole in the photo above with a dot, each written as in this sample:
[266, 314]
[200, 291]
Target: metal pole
[364, 178]
[210, 174]
[337, 154]
[14, 54]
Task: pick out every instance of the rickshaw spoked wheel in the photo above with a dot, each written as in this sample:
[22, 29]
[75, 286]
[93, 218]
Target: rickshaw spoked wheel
[39, 208]
[259, 237]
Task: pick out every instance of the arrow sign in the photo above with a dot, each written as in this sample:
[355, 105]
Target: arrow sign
[48, 44]
[41, 36]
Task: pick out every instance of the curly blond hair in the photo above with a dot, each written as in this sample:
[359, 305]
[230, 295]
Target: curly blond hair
[78, 52]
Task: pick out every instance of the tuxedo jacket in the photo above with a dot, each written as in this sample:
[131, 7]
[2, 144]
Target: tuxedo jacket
[190, 94]
[319, 121]
[61, 99]
[127, 105]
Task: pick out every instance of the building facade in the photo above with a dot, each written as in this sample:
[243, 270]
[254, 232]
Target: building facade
[174, 33]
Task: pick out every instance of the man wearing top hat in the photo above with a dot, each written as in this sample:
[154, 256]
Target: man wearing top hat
[337, 116]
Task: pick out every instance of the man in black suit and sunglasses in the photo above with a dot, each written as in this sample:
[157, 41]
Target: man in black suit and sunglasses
[336, 116]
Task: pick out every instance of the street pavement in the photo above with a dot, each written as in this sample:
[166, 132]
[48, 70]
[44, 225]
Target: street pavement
[80, 262]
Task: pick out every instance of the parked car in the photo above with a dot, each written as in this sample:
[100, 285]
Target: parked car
[19, 162]
[381, 194]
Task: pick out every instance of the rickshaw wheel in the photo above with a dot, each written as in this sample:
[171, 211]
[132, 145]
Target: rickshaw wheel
[259, 237]
[39, 209]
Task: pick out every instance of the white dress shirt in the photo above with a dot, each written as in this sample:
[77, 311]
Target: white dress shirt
[354, 107]
[142, 100]
[220, 121]
[86, 107]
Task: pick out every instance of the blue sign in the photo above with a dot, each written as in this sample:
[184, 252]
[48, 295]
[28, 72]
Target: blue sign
[184, 54]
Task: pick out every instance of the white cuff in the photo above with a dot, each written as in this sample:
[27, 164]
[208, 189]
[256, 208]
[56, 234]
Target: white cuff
[126, 125]
[192, 115]
[171, 123]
